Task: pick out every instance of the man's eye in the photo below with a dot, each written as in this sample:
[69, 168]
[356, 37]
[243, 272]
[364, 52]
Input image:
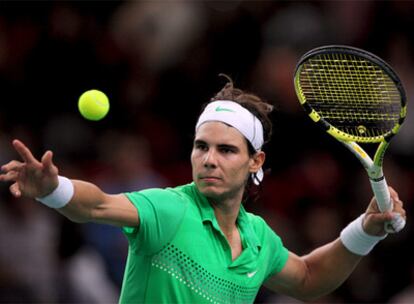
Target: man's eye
[201, 147]
[226, 150]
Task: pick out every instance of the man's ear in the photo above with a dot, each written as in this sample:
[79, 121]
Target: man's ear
[257, 161]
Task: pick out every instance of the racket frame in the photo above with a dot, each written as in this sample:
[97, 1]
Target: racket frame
[372, 166]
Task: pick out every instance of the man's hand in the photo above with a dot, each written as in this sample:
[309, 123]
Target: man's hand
[32, 178]
[374, 220]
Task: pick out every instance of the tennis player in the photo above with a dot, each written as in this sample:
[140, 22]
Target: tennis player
[196, 243]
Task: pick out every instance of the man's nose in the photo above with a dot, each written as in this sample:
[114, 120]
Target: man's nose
[210, 159]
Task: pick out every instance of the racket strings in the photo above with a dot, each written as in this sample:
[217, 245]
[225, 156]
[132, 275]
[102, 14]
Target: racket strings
[351, 93]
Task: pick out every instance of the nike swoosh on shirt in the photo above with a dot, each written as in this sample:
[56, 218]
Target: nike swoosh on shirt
[251, 274]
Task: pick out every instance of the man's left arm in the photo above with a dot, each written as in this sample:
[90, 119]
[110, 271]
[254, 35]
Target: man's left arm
[316, 274]
[326, 268]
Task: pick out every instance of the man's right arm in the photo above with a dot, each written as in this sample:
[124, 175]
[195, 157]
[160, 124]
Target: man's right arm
[77, 200]
[91, 204]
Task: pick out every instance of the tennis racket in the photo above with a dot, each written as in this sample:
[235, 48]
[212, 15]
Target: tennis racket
[356, 97]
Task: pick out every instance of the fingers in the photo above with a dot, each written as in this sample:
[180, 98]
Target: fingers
[24, 152]
[393, 194]
[48, 166]
[9, 176]
[398, 206]
[398, 221]
[15, 190]
[396, 224]
[11, 170]
[13, 165]
[47, 158]
[380, 218]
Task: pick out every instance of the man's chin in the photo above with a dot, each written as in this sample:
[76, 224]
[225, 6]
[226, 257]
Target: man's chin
[210, 191]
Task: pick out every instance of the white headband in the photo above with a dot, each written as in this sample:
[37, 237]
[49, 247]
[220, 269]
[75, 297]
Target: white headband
[240, 118]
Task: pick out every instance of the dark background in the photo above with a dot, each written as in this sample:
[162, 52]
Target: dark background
[158, 62]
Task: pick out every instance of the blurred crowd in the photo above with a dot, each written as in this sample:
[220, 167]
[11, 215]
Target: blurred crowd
[158, 61]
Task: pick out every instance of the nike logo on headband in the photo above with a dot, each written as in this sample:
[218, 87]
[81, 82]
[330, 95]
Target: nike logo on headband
[220, 109]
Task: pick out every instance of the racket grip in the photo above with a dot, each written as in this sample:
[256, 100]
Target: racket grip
[382, 194]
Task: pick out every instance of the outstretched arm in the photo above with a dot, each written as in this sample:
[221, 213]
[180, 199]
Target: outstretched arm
[326, 268]
[316, 274]
[91, 204]
[37, 179]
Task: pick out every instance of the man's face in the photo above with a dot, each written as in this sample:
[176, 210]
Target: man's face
[220, 161]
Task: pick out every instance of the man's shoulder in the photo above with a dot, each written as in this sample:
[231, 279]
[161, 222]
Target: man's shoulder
[186, 191]
[255, 219]
[258, 223]
[179, 193]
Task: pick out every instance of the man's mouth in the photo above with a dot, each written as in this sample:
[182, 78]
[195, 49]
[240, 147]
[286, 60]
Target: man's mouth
[209, 178]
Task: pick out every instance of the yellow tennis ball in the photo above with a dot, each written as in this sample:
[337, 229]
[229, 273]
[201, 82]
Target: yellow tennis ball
[93, 105]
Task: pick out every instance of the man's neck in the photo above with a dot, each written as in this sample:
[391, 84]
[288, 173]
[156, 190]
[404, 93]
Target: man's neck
[226, 212]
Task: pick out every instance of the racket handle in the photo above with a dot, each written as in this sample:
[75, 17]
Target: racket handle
[383, 197]
[382, 194]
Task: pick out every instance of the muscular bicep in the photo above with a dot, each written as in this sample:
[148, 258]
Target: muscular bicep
[315, 274]
[291, 279]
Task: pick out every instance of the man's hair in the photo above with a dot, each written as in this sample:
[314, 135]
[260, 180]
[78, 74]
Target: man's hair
[251, 102]
[258, 108]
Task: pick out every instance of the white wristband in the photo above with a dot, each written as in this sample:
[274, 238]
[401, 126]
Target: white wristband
[356, 240]
[61, 196]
